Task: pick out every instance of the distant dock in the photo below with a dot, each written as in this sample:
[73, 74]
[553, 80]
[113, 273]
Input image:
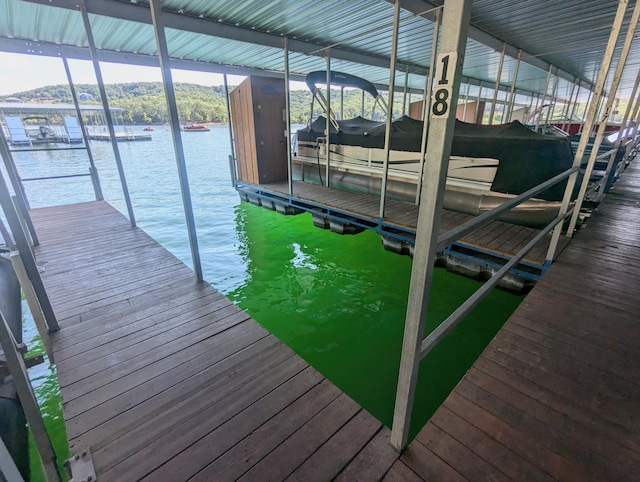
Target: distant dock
[120, 137]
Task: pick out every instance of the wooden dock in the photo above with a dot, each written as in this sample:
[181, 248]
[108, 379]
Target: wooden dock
[499, 239]
[165, 379]
[556, 394]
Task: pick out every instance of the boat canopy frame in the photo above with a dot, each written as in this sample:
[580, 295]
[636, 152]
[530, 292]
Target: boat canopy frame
[343, 80]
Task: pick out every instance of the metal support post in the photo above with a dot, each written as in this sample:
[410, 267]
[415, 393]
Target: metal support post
[12, 170]
[18, 370]
[22, 244]
[426, 102]
[8, 468]
[466, 102]
[95, 180]
[32, 300]
[573, 108]
[328, 127]
[404, 93]
[554, 99]
[567, 106]
[362, 105]
[624, 133]
[607, 111]
[392, 81]
[588, 103]
[107, 111]
[287, 114]
[512, 93]
[590, 120]
[636, 118]
[475, 119]
[18, 199]
[496, 88]
[455, 25]
[544, 97]
[232, 161]
[167, 80]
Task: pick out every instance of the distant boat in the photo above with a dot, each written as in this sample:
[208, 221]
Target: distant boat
[148, 129]
[195, 128]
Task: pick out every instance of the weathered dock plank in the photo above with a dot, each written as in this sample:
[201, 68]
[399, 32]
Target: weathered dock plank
[555, 395]
[165, 379]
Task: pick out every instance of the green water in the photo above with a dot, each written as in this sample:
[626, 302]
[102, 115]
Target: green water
[340, 303]
[45, 384]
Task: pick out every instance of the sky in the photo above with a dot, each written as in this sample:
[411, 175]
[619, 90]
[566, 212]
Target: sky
[25, 72]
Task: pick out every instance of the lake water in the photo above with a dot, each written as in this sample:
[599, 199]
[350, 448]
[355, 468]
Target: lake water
[338, 301]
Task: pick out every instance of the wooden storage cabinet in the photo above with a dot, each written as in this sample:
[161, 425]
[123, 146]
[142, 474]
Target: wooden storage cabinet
[257, 115]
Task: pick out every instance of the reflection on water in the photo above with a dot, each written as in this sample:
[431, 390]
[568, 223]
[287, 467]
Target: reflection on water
[338, 301]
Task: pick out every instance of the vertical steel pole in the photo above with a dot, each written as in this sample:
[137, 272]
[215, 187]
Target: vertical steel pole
[107, 112]
[392, 81]
[362, 105]
[544, 97]
[426, 102]
[475, 120]
[443, 113]
[97, 189]
[404, 93]
[466, 102]
[12, 170]
[328, 143]
[590, 120]
[554, 97]
[497, 86]
[607, 111]
[635, 118]
[167, 80]
[574, 105]
[627, 112]
[588, 103]
[18, 371]
[567, 106]
[22, 243]
[233, 149]
[512, 93]
[287, 114]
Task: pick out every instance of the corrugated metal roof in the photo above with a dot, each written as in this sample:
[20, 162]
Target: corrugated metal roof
[247, 33]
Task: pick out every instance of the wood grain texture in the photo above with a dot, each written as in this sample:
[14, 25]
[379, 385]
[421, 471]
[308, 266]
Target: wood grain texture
[555, 395]
[166, 379]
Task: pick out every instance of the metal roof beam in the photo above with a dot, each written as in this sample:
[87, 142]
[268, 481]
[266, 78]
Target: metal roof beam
[20, 46]
[142, 14]
[418, 6]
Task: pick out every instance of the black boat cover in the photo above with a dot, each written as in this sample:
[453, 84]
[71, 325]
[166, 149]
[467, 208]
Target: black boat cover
[526, 157]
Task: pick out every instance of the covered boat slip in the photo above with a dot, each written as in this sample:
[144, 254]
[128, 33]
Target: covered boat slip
[555, 395]
[496, 239]
[165, 379]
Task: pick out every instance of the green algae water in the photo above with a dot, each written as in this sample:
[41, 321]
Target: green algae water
[337, 301]
[340, 303]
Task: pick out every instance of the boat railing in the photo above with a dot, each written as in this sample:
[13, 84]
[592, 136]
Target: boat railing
[429, 342]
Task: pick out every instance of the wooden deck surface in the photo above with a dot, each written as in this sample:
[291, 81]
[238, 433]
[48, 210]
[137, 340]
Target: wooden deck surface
[502, 239]
[165, 379]
[556, 395]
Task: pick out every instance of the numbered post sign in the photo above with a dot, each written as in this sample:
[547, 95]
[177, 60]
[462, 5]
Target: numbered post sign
[443, 88]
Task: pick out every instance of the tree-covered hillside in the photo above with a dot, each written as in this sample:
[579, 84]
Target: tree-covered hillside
[144, 102]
